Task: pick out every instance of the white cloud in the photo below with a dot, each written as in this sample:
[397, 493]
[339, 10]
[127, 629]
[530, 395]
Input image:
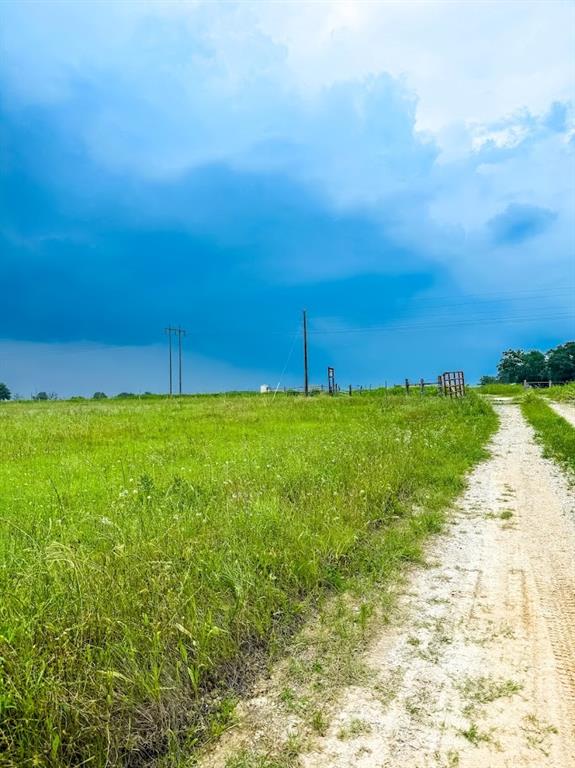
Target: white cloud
[467, 61]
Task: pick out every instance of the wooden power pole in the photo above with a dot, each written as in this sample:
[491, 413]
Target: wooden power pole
[181, 333]
[169, 330]
[305, 370]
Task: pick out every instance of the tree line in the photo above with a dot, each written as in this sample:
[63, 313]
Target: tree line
[6, 394]
[518, 365]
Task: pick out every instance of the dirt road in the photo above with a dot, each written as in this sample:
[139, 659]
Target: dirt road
[566, 410]
[478, 668]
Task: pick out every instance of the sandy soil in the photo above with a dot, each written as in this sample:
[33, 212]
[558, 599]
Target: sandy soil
[478, 668]
[566, 410]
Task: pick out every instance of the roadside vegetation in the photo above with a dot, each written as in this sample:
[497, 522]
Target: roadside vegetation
[554, 432]
[153, 552]
[503, 390]
[563, 394]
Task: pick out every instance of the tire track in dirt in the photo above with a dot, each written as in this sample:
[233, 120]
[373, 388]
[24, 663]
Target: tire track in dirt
[566, 410]
[478, 668]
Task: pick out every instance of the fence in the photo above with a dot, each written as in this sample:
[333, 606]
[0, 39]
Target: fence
[450, 383]
[544, 384]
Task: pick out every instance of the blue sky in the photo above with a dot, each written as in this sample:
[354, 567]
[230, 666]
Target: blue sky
[405, 171]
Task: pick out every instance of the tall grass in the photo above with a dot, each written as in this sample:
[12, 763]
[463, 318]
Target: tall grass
[148, 547]
[564, 393]
[512, 390]
[555, 434]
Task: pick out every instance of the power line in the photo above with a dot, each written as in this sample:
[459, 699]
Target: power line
[169, 330]
[296, 334]
[179, 332]
[305, 374]
[436, 320]
[478, 311]
[427, 325]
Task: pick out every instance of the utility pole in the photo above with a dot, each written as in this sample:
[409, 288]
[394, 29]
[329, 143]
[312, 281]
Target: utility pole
[169, 330]
[305, 371]
[181, 333]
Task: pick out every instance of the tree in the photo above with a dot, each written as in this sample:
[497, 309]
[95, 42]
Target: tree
[561, 362]
[5, 393]
[40, 396]
[516, 366]
[534, 367]
[487, 380]
[99, 396]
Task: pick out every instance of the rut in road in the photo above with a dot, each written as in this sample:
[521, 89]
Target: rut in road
[478, 669]
[566, 410]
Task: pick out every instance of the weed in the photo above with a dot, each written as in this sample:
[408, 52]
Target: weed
[451, 759]
[537, 733]
[476, 736]
[319, 722]
[355, 728]
[483, 690]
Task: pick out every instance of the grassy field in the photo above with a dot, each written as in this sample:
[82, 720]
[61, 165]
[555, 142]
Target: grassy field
[556, 435]
[150, 549]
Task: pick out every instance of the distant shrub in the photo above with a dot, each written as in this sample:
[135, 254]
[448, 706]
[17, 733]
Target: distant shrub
[99, 396]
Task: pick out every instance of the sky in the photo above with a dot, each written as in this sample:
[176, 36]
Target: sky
[404, 171]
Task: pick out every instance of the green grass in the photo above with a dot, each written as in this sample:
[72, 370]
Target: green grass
[564, 393]
[152, 549]
[556, 435]
[504, 390]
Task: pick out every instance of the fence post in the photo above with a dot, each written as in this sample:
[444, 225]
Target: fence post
[350, 390]
[407, 386]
